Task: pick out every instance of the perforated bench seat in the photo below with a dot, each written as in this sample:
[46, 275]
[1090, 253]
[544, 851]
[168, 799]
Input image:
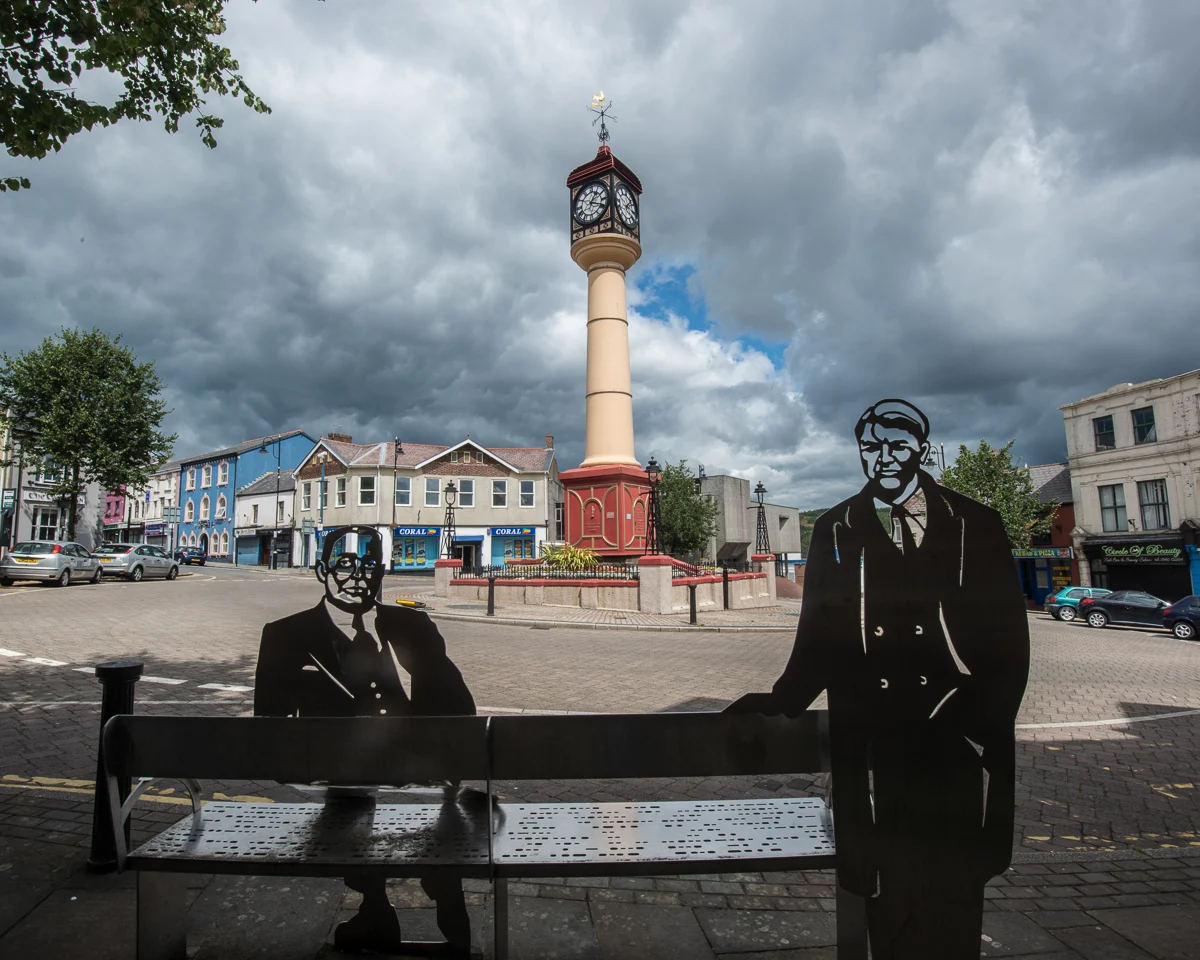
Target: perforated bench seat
[580, 839]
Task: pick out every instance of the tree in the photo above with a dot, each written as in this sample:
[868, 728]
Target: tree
[162, 49]
[84, 403]
[990, 476]
[687, 520]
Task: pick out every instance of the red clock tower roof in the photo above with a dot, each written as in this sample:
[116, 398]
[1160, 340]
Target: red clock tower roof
[604, 160]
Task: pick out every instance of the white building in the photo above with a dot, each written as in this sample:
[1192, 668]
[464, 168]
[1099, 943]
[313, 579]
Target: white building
[1134, 453]
[34, 513]
[262, 516]
[162, 491]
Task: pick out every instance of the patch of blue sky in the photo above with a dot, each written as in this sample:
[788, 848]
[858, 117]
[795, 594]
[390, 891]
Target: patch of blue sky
[673, 289]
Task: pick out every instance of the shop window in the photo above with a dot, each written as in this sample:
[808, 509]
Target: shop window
[204, 507]
[1143, 425]
[206, 476]
[189, 512]
[1106, 436]
[466, 493]
[433, 493]
[254, 515]
[499, 493]
[527, 493]
[366, 491]
[191, 478]
[221, 507]
[222, 474]
[1152, 497]
[1112, 508]
[45, 523]
[339, 492]
[1099, 574]
[306, 495]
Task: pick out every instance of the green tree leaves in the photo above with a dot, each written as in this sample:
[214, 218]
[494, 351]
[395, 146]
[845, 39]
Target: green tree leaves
[687, 519]
[163, 49]
[991, 477]
[85, 402]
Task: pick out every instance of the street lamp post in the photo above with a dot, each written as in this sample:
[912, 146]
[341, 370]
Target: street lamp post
[936, 458]
[762, 543]
[654, 544]
[275, 505]
[451, 492]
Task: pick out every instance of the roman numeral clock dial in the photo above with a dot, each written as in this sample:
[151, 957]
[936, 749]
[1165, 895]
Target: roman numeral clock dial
[590, 202]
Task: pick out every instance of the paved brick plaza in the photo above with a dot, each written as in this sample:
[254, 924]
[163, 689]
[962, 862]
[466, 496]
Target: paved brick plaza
[1092, 793]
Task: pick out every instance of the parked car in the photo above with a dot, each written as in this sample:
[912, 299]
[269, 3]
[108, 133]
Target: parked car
[58, 563]
[1182, 617]
[137, 560]
[1064, 602]
[190, 555]
[1131, 607]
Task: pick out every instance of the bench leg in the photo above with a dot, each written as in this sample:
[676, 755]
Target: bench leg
[500, 919]
[851, 926]
[161, 916]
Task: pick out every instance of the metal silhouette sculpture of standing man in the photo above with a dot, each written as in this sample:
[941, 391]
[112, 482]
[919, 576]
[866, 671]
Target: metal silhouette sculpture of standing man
[308, 667]
[917, 632]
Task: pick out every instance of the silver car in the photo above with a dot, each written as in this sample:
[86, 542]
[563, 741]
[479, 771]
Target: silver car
[136, 561]
[58, 563]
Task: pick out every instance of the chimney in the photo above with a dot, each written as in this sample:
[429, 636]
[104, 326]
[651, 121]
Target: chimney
[549, 441]
[340, 437]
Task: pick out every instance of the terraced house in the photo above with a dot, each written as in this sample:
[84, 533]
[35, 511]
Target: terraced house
[507, 500]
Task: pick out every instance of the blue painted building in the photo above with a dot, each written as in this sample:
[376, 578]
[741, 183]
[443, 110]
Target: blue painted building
[208, 483]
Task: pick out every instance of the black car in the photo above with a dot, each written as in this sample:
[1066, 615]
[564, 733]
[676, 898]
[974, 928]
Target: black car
[1183, 617]
[190, 555]
[1128, 607]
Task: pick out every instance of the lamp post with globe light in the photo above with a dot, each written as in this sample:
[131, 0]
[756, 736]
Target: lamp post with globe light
[654, 543]
[451, 492]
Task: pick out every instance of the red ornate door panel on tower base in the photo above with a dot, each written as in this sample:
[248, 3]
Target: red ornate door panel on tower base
[605, 509]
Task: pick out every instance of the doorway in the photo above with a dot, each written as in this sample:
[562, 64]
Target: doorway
[468, 553]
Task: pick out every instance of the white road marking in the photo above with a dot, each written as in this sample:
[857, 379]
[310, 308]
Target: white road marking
[84, 669]
[10, 653]
[161, 680]
[232, 687]
[45, 661]
[1104, 723]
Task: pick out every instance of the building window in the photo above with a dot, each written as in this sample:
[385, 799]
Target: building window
[499, 493]
[404, 491]
[45, 523]
[466, 456]
[366, 491]
[1152, 496]
[206, 476]
[189, 512]
[454, 456]
[306, 495]
[222, 474]
[466, 493]
[279, 514]
[1112, 508]
[433, 493]
[50, 472]
[527, 493]
[254, 514]
[221, 507]
[1143, 425]
[324, 494]
[1106, 436]
[558, 521]
[192, 538]
[339, 492]
[225, 543]
[191, 480]
[204, 507]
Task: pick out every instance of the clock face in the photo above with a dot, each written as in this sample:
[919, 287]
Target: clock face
[627, 205]
[590, 202]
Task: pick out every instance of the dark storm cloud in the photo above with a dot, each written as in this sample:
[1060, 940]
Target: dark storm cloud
[988, 208]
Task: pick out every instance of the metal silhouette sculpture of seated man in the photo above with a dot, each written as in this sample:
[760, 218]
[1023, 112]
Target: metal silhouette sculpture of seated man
[308, 667]
[917, 632]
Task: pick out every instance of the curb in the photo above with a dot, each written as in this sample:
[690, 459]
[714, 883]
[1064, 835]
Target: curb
[587, 625]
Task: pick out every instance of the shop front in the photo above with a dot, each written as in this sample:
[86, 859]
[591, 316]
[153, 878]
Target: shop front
[1156, 565]
[513, 543]
[156, 534]
[1043, 570]
[414, 549]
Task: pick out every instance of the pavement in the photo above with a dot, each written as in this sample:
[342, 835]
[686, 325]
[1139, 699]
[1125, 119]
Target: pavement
[1107, 827]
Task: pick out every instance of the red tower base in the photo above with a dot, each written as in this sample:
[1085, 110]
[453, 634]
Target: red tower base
[605, 509]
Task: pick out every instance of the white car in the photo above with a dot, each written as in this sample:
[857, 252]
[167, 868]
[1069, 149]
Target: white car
[136, 561]
[58, 563]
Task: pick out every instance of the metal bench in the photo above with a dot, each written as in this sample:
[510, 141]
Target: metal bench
[501, 841]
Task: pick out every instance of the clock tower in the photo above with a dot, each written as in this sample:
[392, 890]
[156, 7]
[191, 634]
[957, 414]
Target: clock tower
[606, 496]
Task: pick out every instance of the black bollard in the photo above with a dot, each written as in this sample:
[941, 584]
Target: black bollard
[691, 603]
[491, 596]
[725, 584]
[117, 679]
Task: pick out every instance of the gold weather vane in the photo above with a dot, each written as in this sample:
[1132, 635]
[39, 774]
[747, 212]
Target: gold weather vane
[600, 107]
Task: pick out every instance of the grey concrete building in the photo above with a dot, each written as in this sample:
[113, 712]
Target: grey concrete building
[738, 517]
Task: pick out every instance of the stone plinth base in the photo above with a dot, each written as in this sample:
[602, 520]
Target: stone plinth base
[605, 509]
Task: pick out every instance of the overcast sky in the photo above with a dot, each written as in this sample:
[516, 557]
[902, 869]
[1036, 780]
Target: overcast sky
[988, 208]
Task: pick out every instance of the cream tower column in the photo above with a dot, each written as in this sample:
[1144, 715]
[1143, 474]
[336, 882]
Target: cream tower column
[609, 410]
